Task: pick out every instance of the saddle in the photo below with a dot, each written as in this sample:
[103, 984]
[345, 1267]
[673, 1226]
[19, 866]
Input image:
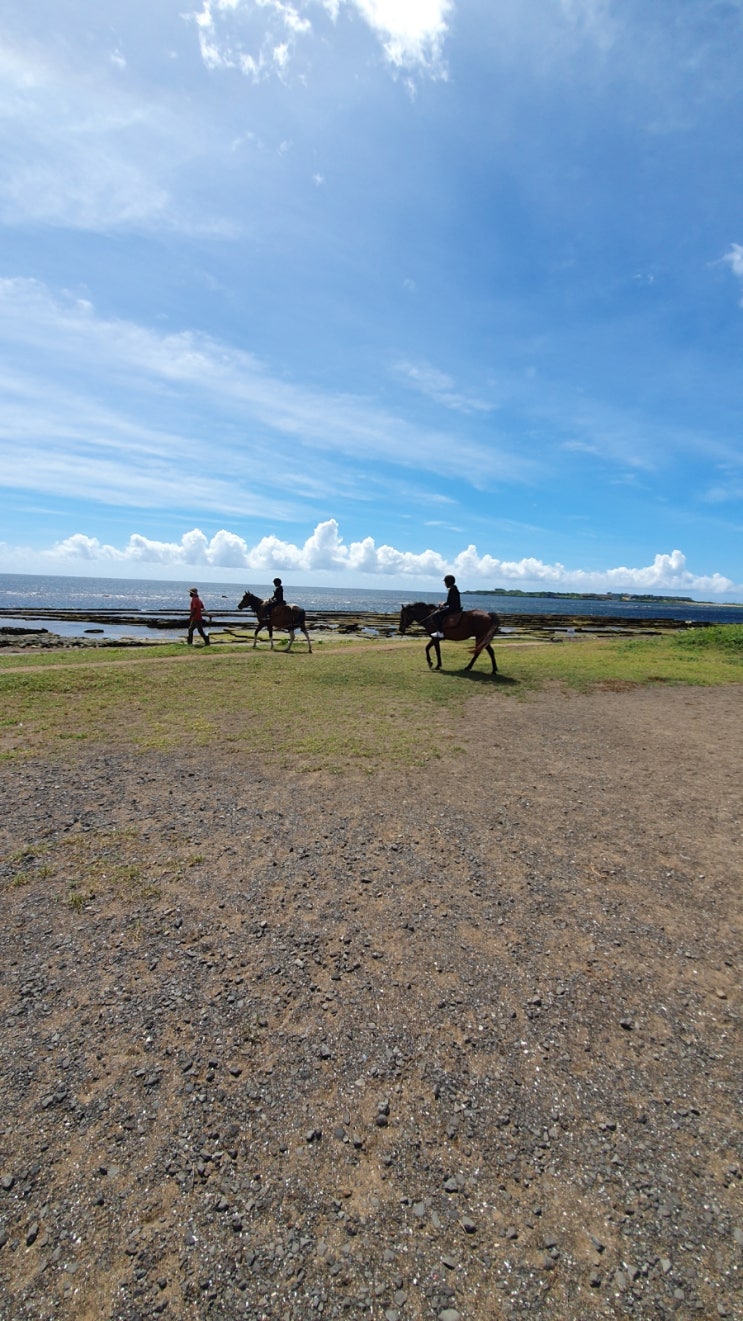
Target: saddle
[452, 620]
[278, 612]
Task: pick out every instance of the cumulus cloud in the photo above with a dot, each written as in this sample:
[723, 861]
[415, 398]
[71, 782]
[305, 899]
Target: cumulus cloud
[325, 551]
[411, 31]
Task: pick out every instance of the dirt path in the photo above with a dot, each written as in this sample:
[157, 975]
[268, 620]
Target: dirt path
[458, 1043]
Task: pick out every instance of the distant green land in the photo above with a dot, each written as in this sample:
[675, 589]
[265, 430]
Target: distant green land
[585, 596]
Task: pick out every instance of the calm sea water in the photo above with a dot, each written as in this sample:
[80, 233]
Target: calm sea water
[21, 592]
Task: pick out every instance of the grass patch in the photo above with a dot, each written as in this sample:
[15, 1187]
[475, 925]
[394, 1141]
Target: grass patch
[625, 662]
[83, 866]
[326, 709]
[724, 638]
[348, 703]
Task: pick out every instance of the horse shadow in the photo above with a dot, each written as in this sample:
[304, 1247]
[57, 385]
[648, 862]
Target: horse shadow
[477, 676]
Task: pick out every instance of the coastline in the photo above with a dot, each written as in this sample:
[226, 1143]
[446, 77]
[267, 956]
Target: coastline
[91, 611]
[48, 629]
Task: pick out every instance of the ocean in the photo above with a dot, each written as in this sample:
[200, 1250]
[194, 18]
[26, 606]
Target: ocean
[21, 593]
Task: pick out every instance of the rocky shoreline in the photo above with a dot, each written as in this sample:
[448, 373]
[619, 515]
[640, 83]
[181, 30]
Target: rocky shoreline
[239, 625]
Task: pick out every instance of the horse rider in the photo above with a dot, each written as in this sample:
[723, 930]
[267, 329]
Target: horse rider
[278, 595]
[451, 606]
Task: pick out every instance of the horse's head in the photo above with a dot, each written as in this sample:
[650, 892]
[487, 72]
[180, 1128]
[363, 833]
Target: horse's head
[242, 605]
[414, 613]
[250, 600]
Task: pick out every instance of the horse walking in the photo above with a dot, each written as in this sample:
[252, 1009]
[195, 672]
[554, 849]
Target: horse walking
[482, 625]
[288, 618]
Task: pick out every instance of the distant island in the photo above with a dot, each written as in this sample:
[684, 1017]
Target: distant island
[585, 596]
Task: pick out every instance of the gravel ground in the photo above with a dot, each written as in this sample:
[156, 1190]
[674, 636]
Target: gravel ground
[460, 1043]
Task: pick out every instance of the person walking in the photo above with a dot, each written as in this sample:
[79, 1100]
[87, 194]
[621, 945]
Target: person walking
[196, 617]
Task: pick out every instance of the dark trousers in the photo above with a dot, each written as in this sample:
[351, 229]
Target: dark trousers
[435, 622]
[197, 628]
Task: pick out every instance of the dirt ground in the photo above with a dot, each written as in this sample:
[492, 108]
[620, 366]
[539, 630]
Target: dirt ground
[456, 1043]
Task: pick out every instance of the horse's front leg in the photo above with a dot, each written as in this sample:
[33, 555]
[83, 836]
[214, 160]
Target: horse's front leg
[491, 654]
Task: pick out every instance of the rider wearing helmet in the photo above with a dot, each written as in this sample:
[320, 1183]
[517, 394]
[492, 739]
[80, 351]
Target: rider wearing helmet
[452, 605]
[278, 595]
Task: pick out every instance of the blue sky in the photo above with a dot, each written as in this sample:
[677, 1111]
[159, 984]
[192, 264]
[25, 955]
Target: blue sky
[360, 292]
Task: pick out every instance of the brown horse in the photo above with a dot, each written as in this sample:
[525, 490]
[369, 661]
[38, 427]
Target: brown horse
[481, 625]
[286, 617]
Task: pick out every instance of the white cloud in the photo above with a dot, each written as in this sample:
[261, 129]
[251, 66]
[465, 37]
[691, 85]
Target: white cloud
[440, 387]
[325, 551]
[666, 573]
[594, 17]
[261, 37]
[126, 456]
[734, 259]
[86, 148]
[412, 32]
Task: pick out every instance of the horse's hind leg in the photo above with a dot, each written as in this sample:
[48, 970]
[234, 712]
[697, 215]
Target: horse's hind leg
[291, 641]
[309, 644]
[475, 654]
[491, 654]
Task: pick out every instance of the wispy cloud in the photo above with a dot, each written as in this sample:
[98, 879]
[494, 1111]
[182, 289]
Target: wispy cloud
[264, 39]
[440, 387]
[226, 412]
[594, 18]
[87, 147]
[734, 259]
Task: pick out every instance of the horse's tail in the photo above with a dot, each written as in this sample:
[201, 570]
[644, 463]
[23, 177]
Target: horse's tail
[488, 636]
